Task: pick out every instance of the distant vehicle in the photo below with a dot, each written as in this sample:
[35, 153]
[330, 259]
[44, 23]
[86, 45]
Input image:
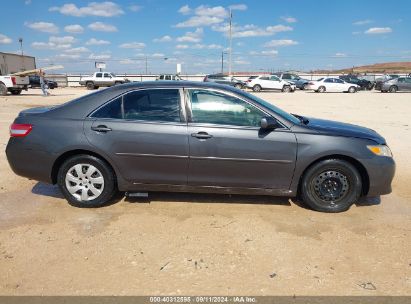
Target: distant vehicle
[270, 82]
[332, 84]
[363, 83]
[168, 77]
[397, 84]
[35, 82]
[13, 84]
[379, 81]
[102, 79]
[224, 79]
[299, 82]
[196, 137]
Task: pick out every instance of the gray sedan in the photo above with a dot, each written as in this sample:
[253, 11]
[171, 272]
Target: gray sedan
[396, 84]
[195, 137]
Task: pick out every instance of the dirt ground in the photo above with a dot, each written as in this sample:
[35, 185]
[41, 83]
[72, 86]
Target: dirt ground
[190, 244]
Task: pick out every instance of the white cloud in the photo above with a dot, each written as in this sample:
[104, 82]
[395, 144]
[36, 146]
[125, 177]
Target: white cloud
[101, 9]
[5, 40]
[238, 7]
[378, 30]
[68, 56]
[102, 27]
[207, 46]
[289, 19]
[251, 30]
[339, 55]
[282, 42]
[241, 62]
[185, 10]
[102, 56]
[204, 16]
[135, 8]
[195, 36]
[27, 2]
[132, 45]
[158, 55]
[46, 27]
[94, 41]
[264, 53]
[165, 38]
[362, 22]
[55, 43]
[77, 50]
[182, 46]
[74, 29]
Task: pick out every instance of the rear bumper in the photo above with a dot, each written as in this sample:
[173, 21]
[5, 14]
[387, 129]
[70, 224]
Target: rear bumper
[381, 171]
[28, 162]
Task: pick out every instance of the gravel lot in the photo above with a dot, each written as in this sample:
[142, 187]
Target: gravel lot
[211, 244]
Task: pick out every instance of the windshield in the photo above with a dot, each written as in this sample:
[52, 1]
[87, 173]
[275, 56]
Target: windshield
[273, 108]
[320, 79]
[112, 75]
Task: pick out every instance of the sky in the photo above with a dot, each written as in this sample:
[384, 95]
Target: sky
[154, 35]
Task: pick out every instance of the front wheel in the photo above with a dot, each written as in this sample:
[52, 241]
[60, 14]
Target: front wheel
[238, 86]
[87, 181]
[393, 89]
[331, 185]
[286, 89]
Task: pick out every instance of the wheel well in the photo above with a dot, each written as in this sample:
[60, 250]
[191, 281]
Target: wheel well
[361, 169]
[62, 158]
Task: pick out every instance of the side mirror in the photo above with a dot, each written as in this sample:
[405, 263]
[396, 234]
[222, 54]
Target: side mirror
[268, 123]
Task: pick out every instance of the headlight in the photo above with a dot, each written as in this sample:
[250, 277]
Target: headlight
[380, 150]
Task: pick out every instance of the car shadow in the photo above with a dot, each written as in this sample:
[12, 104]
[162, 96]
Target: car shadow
[47, 190]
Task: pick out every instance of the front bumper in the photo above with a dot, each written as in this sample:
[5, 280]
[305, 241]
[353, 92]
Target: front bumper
[381, 171]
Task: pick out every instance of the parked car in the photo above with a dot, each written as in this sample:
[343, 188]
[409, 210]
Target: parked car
[379, 81]
[35, 82]
[363, 83]
[332, 84]
[195, 137]
[224, 79]
[397, 84]
[299, 82]
[102, 79]
[13, 84]
[168, 77]
[270, 82]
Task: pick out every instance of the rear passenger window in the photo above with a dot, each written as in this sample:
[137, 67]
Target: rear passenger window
[99, 75]
[153, 105]
[110, 110]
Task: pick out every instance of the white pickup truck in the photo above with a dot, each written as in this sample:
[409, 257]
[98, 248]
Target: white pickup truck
[13, 84]
[102, 79]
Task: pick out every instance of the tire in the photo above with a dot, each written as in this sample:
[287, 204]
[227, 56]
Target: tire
[15, 92]
[3, 89]
[118, 83]
[304, 87]
[352, 90]
[321, 89]
[393, 89]
[90, 85]
[257, 88]
[73, 175]
[331, 185]
[286, 89]
[238, 86]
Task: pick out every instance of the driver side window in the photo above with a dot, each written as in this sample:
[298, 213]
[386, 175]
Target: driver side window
[216, 108]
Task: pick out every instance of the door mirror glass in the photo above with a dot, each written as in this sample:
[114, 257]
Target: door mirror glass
[268, 123]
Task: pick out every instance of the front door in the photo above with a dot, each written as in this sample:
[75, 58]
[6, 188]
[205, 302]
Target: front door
[229, 149]
[145, 134]
[275, 83]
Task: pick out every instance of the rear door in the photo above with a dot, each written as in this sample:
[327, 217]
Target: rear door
[329, 85]
[228, 148]
[340, 85]
[145, 134]
[408, 83]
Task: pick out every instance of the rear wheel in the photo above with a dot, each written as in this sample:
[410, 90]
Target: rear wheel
[393, 89]
[3, 89]
[16, 92]
[352, 90]
[87, 181]
[321, 89]
[257, 88]
[90, 85]
[331, 185]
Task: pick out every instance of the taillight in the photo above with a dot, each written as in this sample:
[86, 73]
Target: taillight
[13, 80]
[205, 79]
[20, 130]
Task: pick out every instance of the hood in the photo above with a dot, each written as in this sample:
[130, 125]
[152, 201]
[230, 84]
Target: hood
[336, 128]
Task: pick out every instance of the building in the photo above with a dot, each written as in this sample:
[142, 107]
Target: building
[13, 63]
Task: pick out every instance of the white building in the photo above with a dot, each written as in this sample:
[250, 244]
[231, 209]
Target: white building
[13, 63]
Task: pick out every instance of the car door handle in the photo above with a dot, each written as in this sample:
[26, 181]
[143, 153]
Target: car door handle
[201, 135]
[101, 128]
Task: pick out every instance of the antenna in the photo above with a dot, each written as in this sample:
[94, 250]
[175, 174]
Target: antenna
[231, 44]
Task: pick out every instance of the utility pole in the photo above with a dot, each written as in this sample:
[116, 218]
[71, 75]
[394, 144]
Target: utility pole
[222, 62]
[22, 54]
[146, 66]
[230, 44]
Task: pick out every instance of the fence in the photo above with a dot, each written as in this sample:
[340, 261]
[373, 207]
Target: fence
[71, 80]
